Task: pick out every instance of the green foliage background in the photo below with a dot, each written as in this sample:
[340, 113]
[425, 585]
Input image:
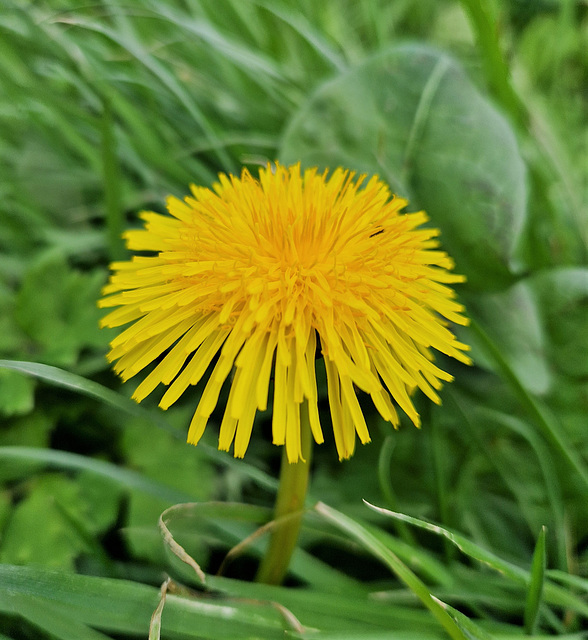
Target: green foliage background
[476, 111]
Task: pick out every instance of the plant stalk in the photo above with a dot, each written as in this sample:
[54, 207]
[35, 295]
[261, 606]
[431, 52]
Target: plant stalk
[288, 510]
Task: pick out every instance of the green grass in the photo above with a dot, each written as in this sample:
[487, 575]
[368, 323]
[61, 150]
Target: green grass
[476, 525]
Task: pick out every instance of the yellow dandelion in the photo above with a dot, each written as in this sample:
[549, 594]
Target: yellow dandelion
[254, 276]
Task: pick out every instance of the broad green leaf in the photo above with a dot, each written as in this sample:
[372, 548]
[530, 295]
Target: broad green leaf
[58, 520]
[563, 297]
[16, 393]
[12, 337]
[56, 307]
[511, 318]
[170, 462]
[412, 116]
[33, 430]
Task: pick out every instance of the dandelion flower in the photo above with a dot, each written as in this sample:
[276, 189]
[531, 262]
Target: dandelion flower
[253, 277]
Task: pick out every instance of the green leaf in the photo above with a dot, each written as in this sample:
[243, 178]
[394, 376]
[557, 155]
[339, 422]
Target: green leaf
[550, 427]
[58, 520]
[382, 635]
[12, 338]
[127, 479]
[553, 593]
[5, 508]
[511, 318]
[378, 549]
[56, 307]
[350, 612]
[37, 532]
[50, 618]
[121, 606]
[563, 299]
[16, 393]
[535, 591]
[412, 116]
[112, 185]
[79, 384]
[190, 473]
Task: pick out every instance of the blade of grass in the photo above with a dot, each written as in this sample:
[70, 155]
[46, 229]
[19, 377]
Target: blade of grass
[438, 453]
[201, 509]
[78, 384]
[297, 21]
[375, 546]
[553, 593]
[121, 606]
[498, 75]
[222, 518]
[112, 185]
[535, 591]
[337, 613]
[575, 582]
[256, 65]
[49, 618]
[385, 635]
[384, 464]
[126, 478]
[540, 449]
[495, 67]
[549, 427]
[135, 48]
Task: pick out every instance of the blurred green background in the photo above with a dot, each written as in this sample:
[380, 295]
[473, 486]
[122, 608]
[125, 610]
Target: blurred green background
[475, 111]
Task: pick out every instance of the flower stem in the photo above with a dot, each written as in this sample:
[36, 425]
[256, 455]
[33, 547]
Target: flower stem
[288, 509]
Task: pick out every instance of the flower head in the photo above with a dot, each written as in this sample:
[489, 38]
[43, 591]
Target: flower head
[263, 271]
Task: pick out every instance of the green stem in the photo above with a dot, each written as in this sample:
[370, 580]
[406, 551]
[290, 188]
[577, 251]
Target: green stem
[492, 59]
[288, 509]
